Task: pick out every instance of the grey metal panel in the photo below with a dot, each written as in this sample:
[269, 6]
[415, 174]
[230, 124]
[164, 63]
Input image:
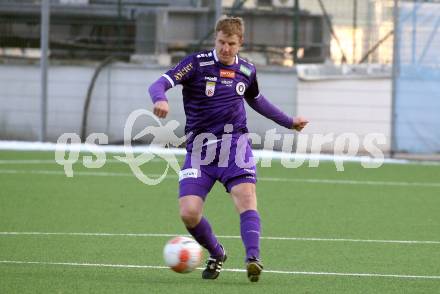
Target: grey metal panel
[145, 33]
[102, 28]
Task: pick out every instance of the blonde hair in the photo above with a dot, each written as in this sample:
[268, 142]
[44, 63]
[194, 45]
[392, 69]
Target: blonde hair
[230, 25]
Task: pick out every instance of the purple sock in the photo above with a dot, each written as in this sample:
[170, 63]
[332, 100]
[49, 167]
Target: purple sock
[250, 233]
[204, 235]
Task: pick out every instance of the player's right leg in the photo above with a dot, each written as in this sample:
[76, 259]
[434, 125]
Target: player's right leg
[194, 185]
[191, 209]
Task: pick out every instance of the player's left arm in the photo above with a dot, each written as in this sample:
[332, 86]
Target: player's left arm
[264, 107]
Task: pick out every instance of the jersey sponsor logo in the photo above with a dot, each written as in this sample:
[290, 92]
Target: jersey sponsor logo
[224, 73]
[210, 89]
[227, 83]
[209, 54]
[240, 88]
[247, 71]
[206, 63]
[181, 73]
[212, 79]
[188, 173]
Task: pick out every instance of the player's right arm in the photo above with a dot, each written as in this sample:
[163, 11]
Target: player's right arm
[179, 74]
[161, 109]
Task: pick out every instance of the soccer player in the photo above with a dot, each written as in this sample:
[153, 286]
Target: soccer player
[215, 85]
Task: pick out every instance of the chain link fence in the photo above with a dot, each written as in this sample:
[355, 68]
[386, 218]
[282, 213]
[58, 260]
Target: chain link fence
[278, 32]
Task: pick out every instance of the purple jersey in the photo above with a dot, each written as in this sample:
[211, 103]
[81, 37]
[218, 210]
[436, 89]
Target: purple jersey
[213, 92]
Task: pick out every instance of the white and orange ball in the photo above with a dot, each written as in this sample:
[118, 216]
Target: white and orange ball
[182, 254]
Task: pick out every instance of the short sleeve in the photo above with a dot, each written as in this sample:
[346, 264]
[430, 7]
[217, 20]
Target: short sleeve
[182, 72]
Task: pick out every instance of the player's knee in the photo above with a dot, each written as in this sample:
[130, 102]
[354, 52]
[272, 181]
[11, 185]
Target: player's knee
[247, 200]
[190, 216]
[191, 208]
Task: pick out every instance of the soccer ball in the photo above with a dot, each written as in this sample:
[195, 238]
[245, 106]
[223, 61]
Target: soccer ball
[182, 254]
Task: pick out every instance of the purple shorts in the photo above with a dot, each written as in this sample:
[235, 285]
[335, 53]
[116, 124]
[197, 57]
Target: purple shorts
[230, 168]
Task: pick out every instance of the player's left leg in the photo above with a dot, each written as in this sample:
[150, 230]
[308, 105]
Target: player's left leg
[245, 200]
[239, 178]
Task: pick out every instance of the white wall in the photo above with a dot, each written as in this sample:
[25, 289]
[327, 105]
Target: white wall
[120, 89]
[359, 106]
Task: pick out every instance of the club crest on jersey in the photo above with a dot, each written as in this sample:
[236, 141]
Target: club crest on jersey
[210, 89]
[224, 73]
[240, 88]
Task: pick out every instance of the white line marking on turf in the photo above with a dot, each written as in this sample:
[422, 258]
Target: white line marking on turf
[61, 173]
[84, 264]
[52, 161]
[351, 182]
[27, 161]
[268, 179]
[219, 236]
[39, 146]
[225, 269]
